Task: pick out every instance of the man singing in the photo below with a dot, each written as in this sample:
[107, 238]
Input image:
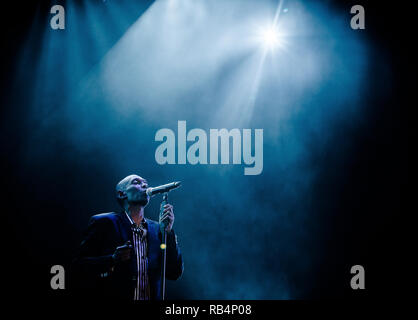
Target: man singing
[120, 255]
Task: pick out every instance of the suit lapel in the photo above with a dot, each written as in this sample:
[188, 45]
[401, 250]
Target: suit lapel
[125, 228]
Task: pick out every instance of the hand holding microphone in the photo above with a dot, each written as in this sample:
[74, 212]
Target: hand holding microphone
[167, 217]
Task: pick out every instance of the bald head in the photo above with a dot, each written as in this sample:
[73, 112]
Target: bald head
[132, 189]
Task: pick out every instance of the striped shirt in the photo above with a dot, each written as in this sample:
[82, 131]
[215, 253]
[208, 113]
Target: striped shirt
[142, 289]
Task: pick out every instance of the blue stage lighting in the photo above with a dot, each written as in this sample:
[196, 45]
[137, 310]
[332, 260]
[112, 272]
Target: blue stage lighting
[271, 37]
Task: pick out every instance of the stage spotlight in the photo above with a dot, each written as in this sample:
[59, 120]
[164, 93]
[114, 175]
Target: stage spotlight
[270, 38]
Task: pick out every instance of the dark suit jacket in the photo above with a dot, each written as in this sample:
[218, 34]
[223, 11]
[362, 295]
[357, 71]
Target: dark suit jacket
[95, 272]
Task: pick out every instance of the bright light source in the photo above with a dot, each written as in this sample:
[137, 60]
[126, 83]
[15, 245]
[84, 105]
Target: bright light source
[270, 37]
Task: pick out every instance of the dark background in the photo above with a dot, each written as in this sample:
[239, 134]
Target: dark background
[358, 209]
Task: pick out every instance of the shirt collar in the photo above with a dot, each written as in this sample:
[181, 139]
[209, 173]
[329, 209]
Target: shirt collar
[143, 222]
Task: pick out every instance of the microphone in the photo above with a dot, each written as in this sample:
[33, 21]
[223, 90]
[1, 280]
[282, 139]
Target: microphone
[164, 188]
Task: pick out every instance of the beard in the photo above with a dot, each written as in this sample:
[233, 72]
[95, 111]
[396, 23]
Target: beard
[139, 198]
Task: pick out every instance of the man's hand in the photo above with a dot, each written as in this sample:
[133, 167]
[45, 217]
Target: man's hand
[123, 253]
[168, 217]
